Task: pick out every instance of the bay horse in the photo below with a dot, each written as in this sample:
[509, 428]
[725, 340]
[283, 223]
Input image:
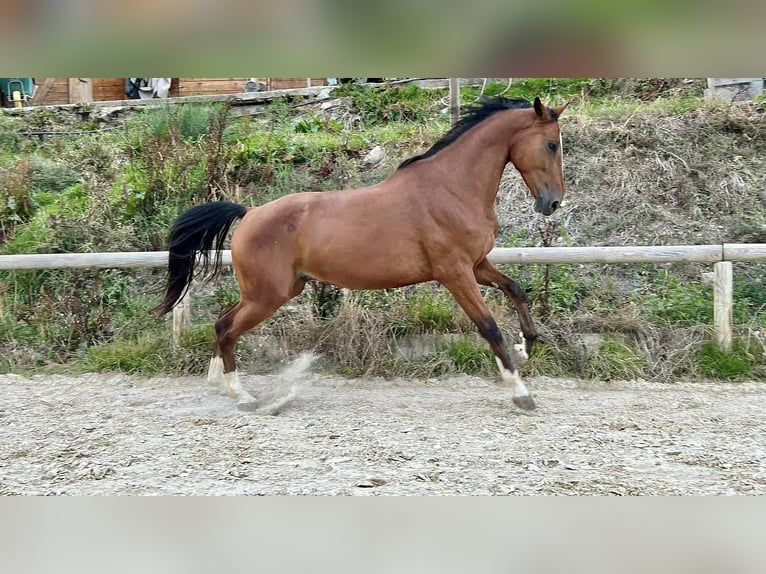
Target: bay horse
[433, 218]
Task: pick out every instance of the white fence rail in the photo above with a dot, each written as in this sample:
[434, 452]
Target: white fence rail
[510, 255]
[720, 255]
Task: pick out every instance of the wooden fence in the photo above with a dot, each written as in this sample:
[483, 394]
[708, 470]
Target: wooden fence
[721, 256]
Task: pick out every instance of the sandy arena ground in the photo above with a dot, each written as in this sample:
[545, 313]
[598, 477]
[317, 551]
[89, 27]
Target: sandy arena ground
[112, 434]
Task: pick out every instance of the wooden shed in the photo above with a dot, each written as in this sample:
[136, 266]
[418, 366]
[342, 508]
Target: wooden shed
[51, 91]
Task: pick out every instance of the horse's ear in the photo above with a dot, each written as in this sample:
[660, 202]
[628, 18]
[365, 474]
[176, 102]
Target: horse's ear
[540, 108]
[561, 108]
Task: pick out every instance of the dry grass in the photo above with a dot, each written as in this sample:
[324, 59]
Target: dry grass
[655, 178]
[364, 340]
[357, 338]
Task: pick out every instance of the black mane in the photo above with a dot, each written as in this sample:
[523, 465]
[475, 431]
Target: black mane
[475, 114]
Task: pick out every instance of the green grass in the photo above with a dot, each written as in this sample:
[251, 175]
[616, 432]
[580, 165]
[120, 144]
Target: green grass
[429, 311]
[10, 141]
[736, 364]
[673, 302]
[614, 360]
[550, 360]
[470, 356]
[151, 353]
[144, 356]
[190, 121]
[379, 105]
[551, 91]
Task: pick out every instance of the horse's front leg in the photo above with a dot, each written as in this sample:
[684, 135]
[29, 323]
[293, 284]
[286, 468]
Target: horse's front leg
[467, 294]
[489, 275]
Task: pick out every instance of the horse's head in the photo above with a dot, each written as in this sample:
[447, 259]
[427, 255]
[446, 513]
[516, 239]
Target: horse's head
[536, 153]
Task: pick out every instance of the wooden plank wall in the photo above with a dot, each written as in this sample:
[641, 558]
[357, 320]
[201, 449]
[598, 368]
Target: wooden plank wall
[217, 86]
[288, 83]
[104, 89]
[108, 89]
[58, 93]
[210, 86]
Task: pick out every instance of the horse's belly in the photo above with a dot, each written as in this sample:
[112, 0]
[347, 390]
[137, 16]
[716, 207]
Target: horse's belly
[369, 270]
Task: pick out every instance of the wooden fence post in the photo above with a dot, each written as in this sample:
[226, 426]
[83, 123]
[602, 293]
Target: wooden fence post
[454, 100]
[181, 318]
[723, 304]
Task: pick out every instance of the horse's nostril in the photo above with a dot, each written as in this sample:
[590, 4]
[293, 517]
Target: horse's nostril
[554, 206]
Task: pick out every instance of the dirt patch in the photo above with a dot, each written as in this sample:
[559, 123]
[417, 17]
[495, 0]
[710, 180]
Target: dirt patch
[111, 434]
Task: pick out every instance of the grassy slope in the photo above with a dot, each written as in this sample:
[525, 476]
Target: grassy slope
[640, 169]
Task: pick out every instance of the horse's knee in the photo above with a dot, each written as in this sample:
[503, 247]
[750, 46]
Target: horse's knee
[220, 328]
[517, 292]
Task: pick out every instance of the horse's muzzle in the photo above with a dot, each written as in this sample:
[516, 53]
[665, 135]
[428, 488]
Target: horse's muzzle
[544, 204]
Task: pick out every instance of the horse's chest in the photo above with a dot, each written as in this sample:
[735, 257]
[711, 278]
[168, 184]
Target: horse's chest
[486, 227]
[480, 234]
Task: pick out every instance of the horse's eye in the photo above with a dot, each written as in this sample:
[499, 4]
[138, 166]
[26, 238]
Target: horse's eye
[553, 147]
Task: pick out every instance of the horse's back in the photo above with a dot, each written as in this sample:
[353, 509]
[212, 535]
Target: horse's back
[363, 238]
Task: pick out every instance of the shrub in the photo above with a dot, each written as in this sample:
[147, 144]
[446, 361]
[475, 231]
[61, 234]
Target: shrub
[614, 360]
[152, 352]
[547, 89]
[190, 122]
[671, 301]
[9, 139]
[376, 105]
[739, 362]
[429, 310]
[470, 356]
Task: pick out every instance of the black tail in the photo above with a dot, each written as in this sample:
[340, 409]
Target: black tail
[196, 230]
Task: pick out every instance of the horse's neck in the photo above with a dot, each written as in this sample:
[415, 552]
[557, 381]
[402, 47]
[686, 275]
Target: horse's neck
[475, 161]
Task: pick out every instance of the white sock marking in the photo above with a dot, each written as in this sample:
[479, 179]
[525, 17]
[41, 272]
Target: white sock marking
[521, 348]
[512, 379]
[215, 373]
[235, 389]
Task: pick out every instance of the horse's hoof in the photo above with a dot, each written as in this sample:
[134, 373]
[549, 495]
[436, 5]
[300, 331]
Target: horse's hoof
[221, 388]
[526, 403]
[247, 406]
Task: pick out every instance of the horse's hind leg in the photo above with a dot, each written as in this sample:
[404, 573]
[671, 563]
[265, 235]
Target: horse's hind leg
[223, 370]
[466, 292]
[215, 370]
[487, 274]
[245, 315]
